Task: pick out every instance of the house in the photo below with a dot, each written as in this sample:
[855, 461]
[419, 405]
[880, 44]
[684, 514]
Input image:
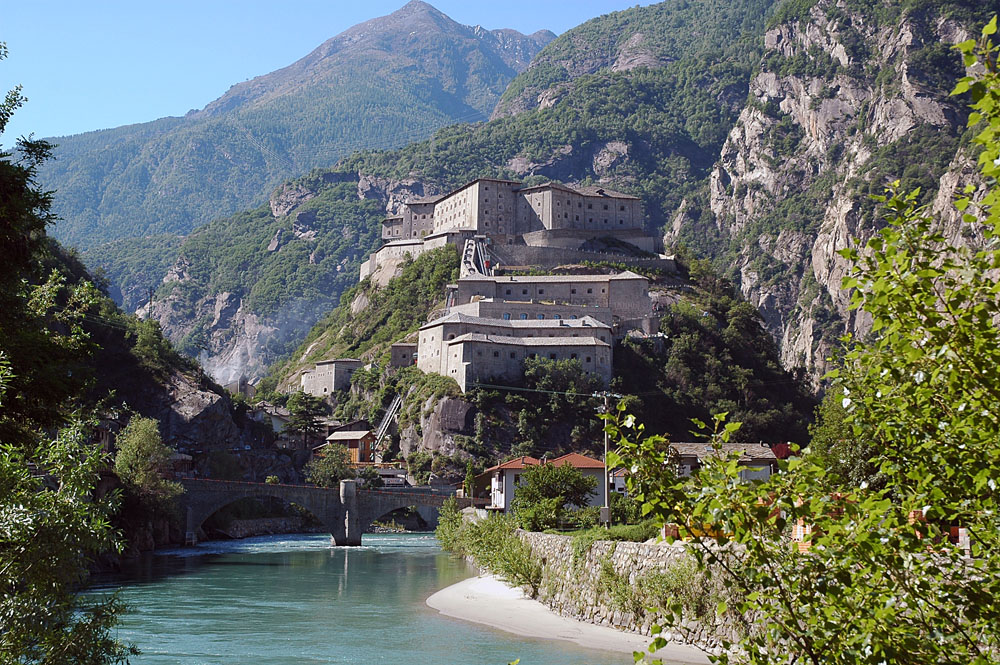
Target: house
[360, 445]
[328, 376]
[504, 478]
[403, 354]
[757, 460]
[277, 416]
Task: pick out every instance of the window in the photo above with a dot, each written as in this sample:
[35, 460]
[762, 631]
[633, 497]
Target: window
[572, 290]
[556, 316]
[512, 354]
[621, 207]
[506, 315]
[517, 479]
[508, 291]
[540, 317]
[621, 221]
[572, 356]
[541, 291]
[605, 206]
[572, 316]
[523, 316]
[552, 356]
[524, 292]
[577, 218]
[590, 206]
[605, 220]
[590, 290]
[496, 354]
[588, 359]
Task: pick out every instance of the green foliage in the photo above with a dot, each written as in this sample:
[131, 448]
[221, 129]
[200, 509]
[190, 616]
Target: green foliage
[371, 477]
[272, 480]
[50, 530]
[306, 411]
[880, 582]
[544, 492]
[330, 467]
[449, 526]
[715, 357]
[52, 522]
[494, 545]
[392, 313]
[141, 461]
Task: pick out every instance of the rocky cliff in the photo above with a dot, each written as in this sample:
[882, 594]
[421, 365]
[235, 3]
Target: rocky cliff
[845, 101]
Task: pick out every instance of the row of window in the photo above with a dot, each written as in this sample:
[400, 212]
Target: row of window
[541, 292]
[552, 356]
[522, 316]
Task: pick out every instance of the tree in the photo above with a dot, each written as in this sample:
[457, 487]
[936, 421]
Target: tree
[371, 477]
[306, 411]
[879, 580]
[51, 520]
[470, 479]
[544, 491]
[331, 465]
[142, 460]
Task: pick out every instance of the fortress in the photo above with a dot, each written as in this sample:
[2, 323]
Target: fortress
[493, 323]
[542, 225]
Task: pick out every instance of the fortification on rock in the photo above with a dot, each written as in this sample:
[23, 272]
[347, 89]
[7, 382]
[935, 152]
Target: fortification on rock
[493, 322]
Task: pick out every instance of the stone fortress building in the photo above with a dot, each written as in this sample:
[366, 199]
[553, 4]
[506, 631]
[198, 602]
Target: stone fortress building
[493, 323]
[564, 222]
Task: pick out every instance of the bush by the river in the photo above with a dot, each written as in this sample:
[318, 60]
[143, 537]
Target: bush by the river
[492, 543]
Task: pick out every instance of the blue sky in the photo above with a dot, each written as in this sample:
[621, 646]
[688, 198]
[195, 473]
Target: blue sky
[94, 64]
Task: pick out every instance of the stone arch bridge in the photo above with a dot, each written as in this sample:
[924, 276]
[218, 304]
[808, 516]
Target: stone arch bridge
[347, 511]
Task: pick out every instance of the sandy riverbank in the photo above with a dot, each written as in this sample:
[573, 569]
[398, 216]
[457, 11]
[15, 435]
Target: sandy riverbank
[489, 601]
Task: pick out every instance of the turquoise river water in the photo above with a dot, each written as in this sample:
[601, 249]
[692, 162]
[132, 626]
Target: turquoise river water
[295, 600]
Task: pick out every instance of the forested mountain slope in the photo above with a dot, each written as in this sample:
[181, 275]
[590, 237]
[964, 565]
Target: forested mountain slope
[759, 152]
[383, 83]
[277, 269]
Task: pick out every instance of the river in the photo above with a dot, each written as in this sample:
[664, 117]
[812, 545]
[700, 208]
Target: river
[295, 600]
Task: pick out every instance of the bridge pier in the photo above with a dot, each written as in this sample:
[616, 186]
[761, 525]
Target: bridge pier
[351, 522]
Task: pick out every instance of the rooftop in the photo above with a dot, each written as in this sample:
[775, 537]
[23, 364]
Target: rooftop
[348, 435]
[758, 452]
[528, 279]
[527, 341]
[573, 459]
[459, 317]
[578, 461]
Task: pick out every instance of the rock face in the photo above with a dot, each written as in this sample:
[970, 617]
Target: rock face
[221, 327]
[819, 133]
[440, 422]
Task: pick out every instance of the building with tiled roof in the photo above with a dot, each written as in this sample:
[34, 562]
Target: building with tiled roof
[504, 478]
[758, 460]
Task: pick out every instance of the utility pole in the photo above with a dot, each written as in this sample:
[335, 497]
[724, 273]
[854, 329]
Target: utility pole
[606, 513]
[606, 510]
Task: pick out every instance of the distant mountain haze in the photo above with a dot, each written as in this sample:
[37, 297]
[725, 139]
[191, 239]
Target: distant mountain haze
[383, 83]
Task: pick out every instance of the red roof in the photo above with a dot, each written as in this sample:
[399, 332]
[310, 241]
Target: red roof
[516, 463]
[579, 461]
[573, 459]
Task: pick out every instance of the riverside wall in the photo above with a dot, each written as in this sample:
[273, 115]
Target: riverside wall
[578, 585]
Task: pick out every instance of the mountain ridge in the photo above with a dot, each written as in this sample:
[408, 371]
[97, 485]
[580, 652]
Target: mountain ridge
[172, 174]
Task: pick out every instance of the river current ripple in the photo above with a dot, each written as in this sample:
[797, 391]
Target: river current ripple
[295, 600]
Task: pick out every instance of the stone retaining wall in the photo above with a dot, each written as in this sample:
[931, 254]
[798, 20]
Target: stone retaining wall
[578, 589]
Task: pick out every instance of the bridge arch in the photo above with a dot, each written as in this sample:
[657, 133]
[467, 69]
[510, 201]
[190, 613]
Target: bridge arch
[347, 513]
